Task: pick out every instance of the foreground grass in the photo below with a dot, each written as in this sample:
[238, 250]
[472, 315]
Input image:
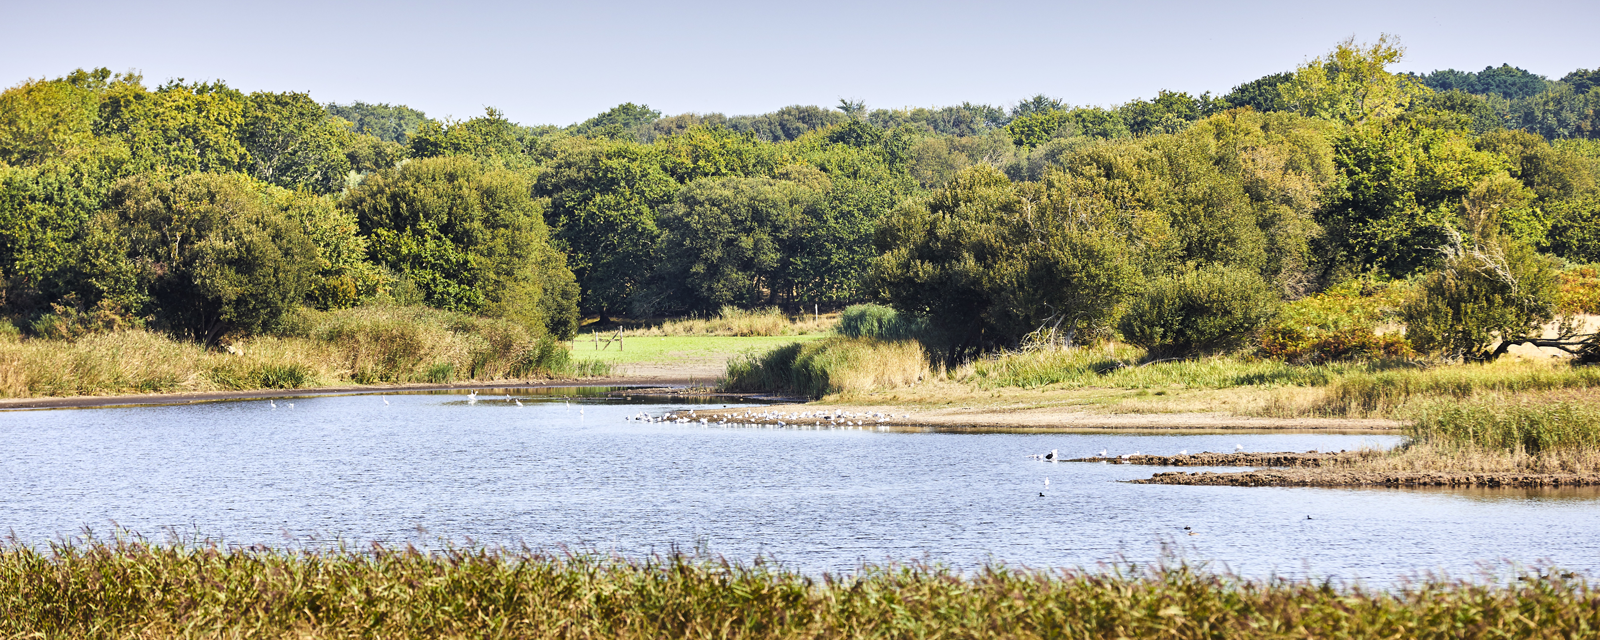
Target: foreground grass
[354, 346]
[137, 590]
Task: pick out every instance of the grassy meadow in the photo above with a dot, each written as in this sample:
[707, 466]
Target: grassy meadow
[131, 589]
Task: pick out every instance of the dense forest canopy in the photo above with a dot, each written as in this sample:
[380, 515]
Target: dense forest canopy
[206, 211]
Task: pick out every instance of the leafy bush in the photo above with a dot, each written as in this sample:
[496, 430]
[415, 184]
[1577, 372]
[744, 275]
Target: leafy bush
[1206, 310]
[1339, 324]
[878, 321]
[1483, 295]
[1579, 290]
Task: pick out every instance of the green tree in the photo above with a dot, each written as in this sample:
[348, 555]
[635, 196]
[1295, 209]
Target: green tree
[1399, 192]
[984, 266]
[390, 123]
[604, 196]
[294, 143]
[179, 128]
[1352, 83]
[727, 241]
[42, 119]
[43, 212]
[1262, 94]
[1486, 297]
[622, 122]
[1505, 81]
[214, 256]
[471, 238]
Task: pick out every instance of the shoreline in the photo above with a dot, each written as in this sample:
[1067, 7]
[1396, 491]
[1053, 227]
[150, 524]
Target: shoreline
[667, 384]
[1329, 470]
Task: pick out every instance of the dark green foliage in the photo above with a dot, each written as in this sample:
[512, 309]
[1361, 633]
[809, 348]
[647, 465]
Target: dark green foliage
[787, 123]
[879, 322]
[1169, 112]
[488, 136]
[856, 134]
[1559, 113]
[1582, 80]
[390, 123]
[1484, 294]
[212, 253]
[1261, 94]
[1505, 81]
[622, 122]
[984, 266]
[470, 238]
[1482, 114]
[728, 241]
[966, 120]
[1039, 103]
[603, 201]
[1202, 311]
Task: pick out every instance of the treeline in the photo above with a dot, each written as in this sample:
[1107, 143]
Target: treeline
[205, 211]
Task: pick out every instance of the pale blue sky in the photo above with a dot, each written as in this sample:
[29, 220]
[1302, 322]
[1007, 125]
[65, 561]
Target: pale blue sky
[560, 63]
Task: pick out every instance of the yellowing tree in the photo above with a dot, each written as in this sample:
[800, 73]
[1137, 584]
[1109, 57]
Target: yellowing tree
[1352, 83]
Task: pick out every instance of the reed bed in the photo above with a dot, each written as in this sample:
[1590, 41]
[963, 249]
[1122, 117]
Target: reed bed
[363, 345]
[132, 589]
[832, 365]
[1385, 392]
[733, 321]
[1116, 366]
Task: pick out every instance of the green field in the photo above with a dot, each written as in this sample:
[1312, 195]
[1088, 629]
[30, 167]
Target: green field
[693, 351]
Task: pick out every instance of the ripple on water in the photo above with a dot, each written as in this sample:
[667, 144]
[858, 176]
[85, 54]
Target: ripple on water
[431, 467]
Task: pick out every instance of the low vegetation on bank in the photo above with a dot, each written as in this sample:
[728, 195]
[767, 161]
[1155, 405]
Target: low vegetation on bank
[363, 345]
[742, 323]
[133, 589]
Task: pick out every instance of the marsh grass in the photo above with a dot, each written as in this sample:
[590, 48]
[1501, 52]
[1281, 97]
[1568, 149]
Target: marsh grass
[133, 589]
[1384, 392]
[733, 321]
[363, 345]
[831, 365]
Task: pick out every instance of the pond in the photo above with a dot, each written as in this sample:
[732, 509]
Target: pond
[566, 469]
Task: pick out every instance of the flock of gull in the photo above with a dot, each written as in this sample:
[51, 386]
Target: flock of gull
[775, 419]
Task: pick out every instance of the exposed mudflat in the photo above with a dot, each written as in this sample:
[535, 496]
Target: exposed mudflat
[1345, 478]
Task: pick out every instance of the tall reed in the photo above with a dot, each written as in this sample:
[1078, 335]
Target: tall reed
[831, 365]
[361, 345]
[733, 321]
[132, 589]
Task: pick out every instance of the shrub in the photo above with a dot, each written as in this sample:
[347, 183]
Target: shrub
[1206, 310]
[1483, 295]
[878, 321]
[1579, 290]
[1339, 324]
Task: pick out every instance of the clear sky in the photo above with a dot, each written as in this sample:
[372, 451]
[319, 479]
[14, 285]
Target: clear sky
[562, 62]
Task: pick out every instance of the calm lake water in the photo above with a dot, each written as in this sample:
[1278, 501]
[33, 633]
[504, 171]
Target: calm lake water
[566, 469]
